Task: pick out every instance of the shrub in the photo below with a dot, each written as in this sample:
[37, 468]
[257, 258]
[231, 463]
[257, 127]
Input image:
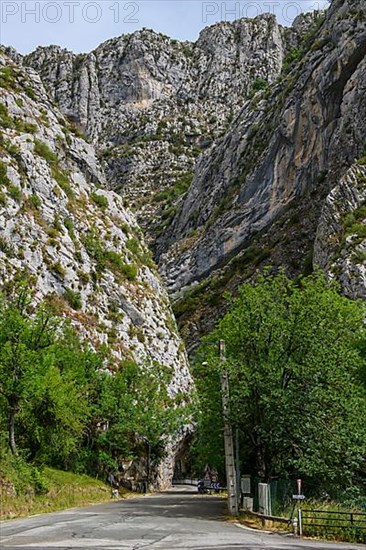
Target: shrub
[6, 247]
[42, 149]
[5, 120]
[57, 269]
[3, 199]
[7, 78]
[62, 178]
[73, 298]
[34, 201]
[4, 180]
[99, 200]
[130, 271]
[14, 192]
[68, 223]
[133, 246]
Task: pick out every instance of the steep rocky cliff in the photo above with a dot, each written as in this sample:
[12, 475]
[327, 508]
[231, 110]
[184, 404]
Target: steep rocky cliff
[305, 133]
[227, 148]
[153, 104]
[340, 245]
[82, 250]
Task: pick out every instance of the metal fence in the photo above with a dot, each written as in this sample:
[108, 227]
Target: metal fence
[317, 521]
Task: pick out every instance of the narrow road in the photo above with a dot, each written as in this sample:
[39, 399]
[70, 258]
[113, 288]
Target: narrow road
[176, 520]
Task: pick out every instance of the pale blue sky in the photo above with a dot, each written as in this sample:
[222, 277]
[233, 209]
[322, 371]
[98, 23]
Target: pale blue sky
[80, 25]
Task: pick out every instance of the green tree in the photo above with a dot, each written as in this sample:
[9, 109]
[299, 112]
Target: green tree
[133, 415]
[38, 395]
[293, 361]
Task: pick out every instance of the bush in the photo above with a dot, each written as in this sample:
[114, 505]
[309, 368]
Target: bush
[14, 192]
[7, 78]
[99, 200]
[73, 298]
[34, 201]
[57, 269]
[4, 180]
[61, 177]
[130, 271]
[42, 149]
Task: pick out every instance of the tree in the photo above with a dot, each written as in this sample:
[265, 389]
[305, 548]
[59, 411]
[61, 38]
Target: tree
[133, 415]
[38, 395]
[293, 364]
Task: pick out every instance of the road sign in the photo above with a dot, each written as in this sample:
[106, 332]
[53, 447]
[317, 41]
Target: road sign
[298, 497]
[215, 486]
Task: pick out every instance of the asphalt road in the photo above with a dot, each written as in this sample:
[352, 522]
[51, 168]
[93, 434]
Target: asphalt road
[177, 520]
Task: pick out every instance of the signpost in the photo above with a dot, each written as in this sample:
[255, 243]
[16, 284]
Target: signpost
[298, 498]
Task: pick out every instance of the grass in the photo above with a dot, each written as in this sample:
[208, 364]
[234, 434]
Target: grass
[64, 490]
[332, 511]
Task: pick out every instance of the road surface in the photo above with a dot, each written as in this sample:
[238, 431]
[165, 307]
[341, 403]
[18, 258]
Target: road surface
[177, 520]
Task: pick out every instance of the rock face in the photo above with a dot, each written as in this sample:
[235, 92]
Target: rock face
[227, 148]
[304, 134]
[153, 104]
[82, 250]
[340, 246]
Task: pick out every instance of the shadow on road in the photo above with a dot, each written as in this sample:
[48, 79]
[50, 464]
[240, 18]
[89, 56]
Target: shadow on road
[180, 505]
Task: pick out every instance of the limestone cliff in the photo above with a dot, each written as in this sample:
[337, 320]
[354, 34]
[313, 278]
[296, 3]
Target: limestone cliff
[152, 105]
[228, 147]
[289, 143]
[340, 245]
[83, 251]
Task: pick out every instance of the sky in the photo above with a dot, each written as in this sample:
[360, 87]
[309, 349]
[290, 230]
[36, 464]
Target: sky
[81, 25]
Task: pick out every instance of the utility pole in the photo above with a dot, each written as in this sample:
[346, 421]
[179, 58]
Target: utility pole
[232, 488]
[237, 467]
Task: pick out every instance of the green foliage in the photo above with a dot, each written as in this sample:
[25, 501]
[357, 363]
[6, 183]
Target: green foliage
[6, 247]
[58, 406]
[58, 269]
[5, 120]
[133, 246]
[258, 85]
[172, 193]
[4, 179]
[35, 201]
[354, 222]
[47, 489]
[8, 78]
[294, 361]
[108, 258]
[99, 200]
[15, 192]
[73, 298]
[44, 410]
[130, 271]
[62, 178]
[42, 149]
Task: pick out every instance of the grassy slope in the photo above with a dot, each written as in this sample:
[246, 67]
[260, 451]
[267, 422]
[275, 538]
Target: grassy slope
[62, 490]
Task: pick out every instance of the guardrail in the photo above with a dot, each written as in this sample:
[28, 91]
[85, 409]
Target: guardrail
[186, 481]
[330, 520]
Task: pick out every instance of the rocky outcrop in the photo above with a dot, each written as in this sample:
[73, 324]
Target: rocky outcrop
[285, 147]
[82, 250]
[340, 245]
[152, 105]
[227, 147]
